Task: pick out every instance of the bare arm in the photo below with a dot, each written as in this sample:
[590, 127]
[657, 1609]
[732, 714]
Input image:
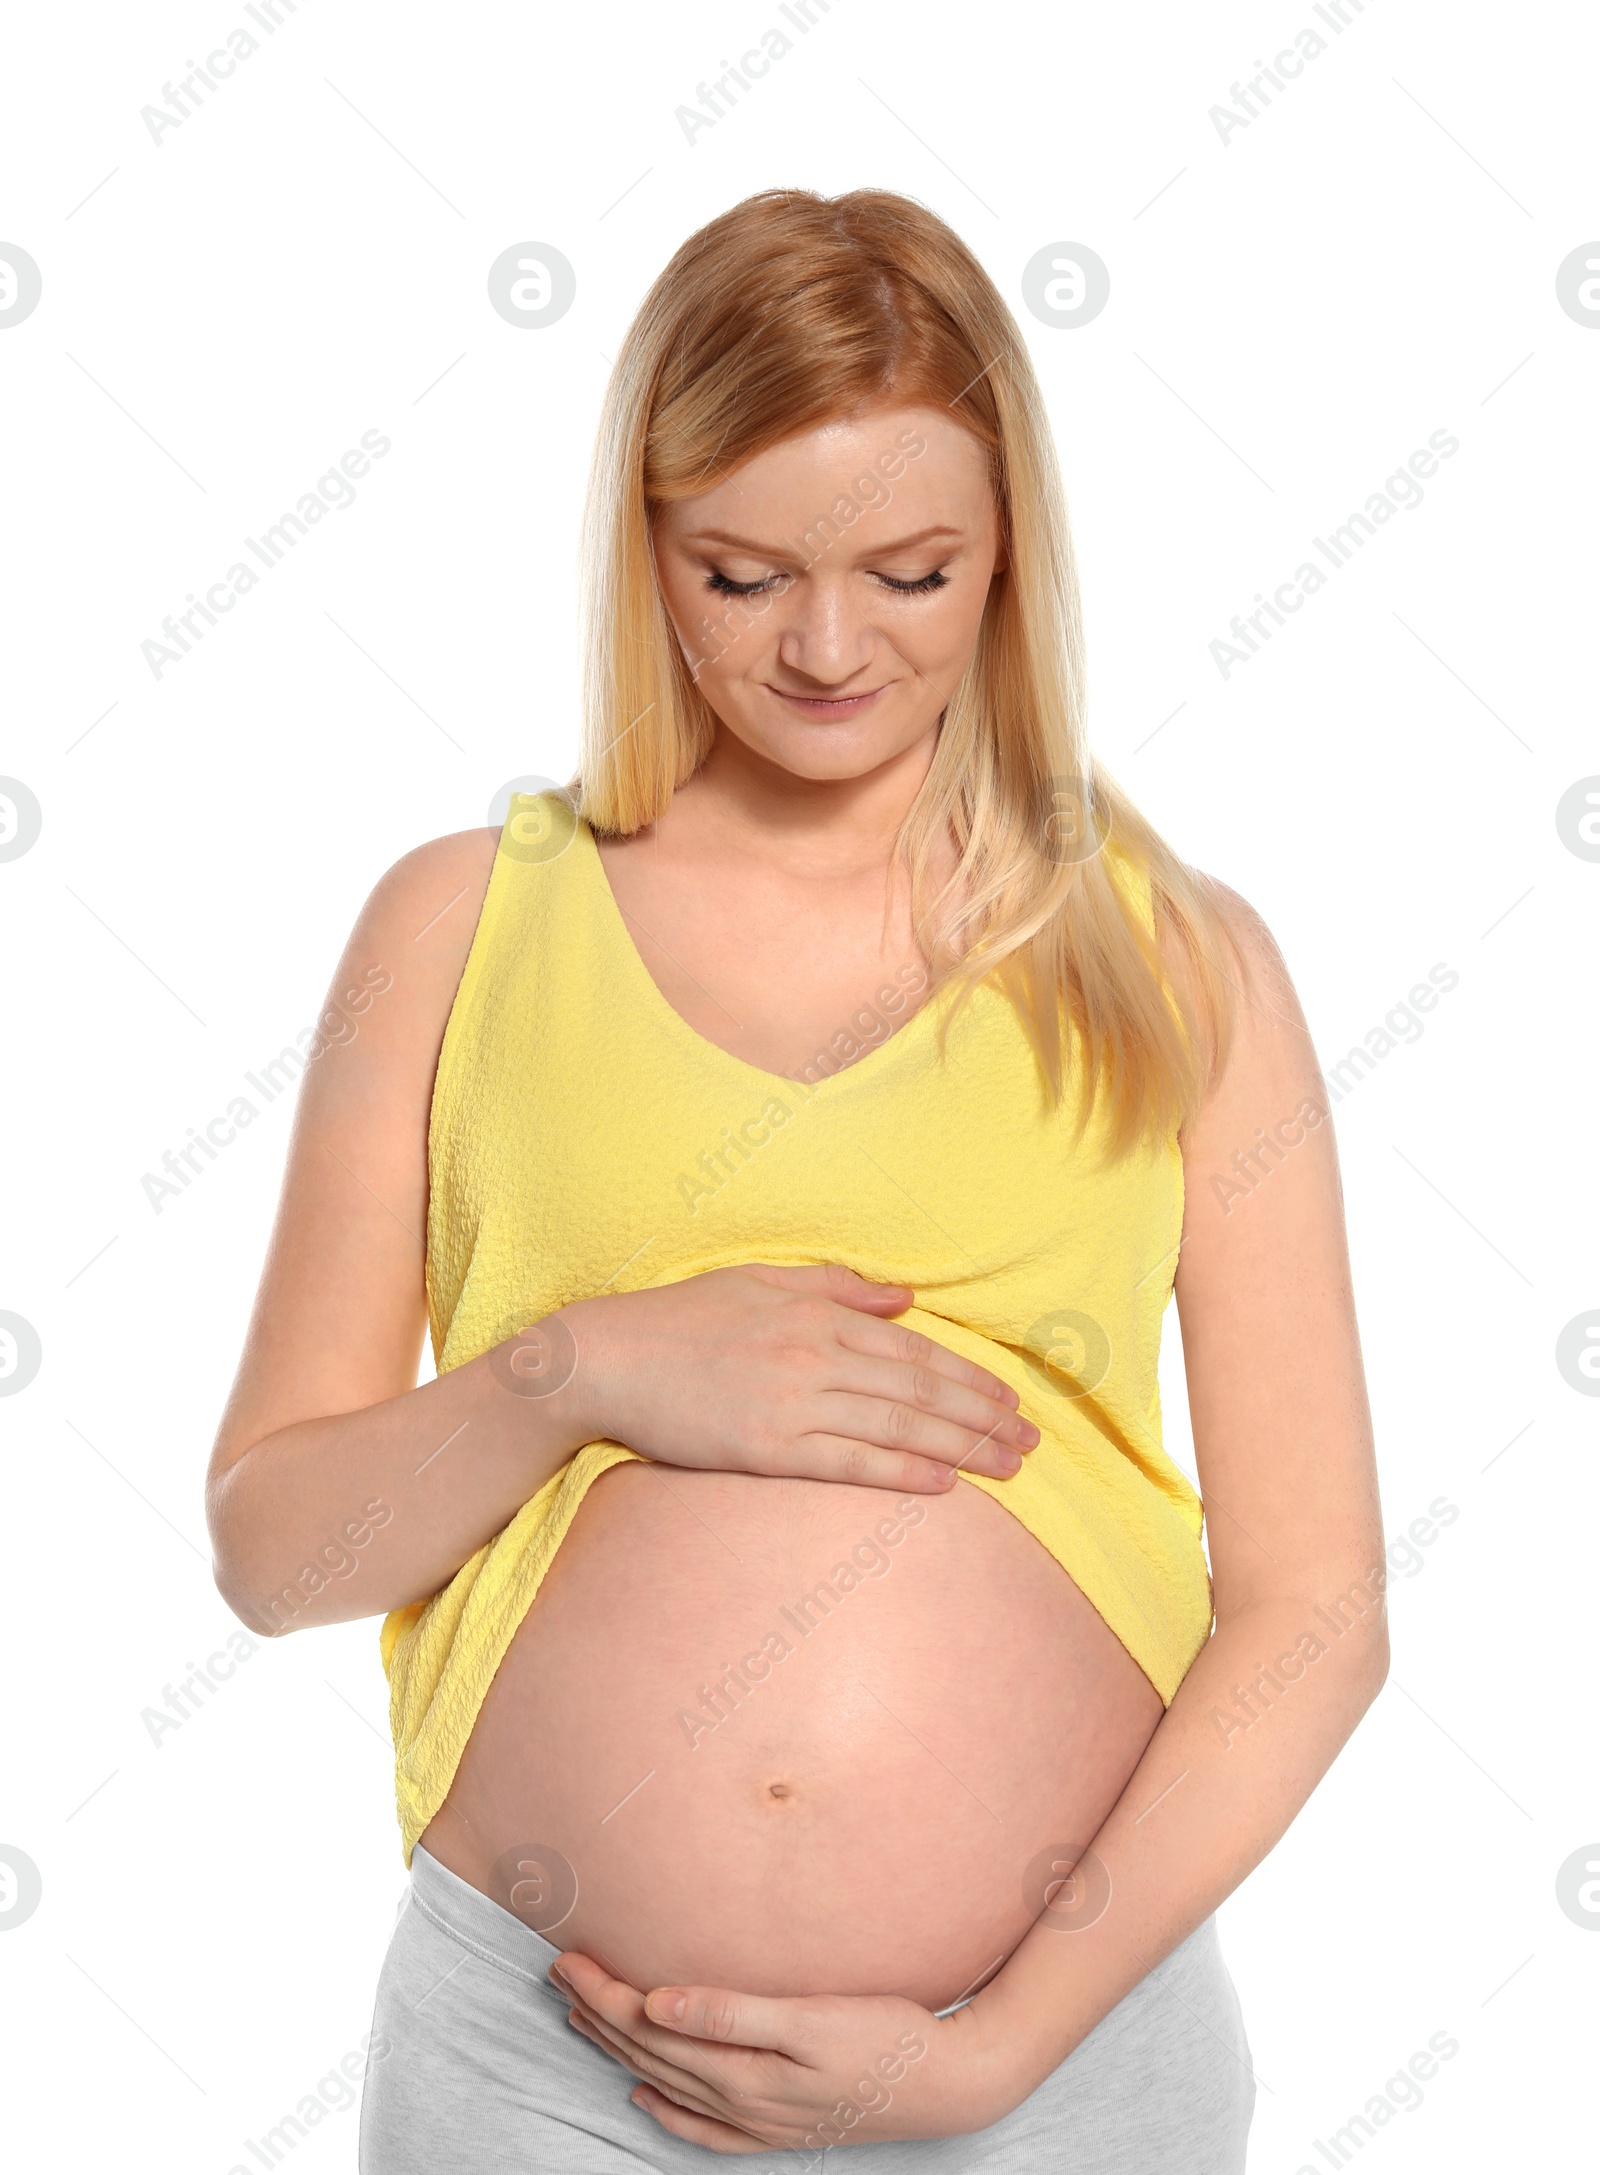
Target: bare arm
[1283, 1440]
[338, 1486]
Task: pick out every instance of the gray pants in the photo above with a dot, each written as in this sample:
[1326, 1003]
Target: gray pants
[483, 2074]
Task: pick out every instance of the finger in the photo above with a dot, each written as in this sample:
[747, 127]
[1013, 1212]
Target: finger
[832, 1280]
[618, 2013]
[608, 2036]
[687, 2091]
[620, 2007]
[898, 1382]
[894, 1426]
[846, 1459]
[629, 2055]
[754, 2021]
[953, 1427]
[695, 2129]
[894, 1340]
[621, 2051]
[595, 1987]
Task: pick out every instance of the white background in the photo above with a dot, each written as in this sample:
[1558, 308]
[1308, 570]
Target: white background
[1291, 314]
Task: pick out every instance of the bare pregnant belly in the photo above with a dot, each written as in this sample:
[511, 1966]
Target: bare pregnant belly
[793, 1737]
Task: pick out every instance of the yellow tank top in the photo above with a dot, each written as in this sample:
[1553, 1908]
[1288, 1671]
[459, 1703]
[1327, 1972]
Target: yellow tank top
[583, 1137]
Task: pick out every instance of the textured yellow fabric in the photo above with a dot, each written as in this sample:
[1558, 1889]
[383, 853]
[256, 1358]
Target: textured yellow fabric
[584, 1137]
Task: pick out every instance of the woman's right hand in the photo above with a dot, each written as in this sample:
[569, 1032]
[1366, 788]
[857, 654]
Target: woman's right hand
[793, 1373]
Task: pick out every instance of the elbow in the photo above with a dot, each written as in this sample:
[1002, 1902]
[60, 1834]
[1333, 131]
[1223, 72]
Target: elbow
[231, 1575]
[262, 1621]
[1354, 1624]
[270, 1600]
[1380, 1660]
[1374, 1662]
[1365, 1666]
[235, 1569]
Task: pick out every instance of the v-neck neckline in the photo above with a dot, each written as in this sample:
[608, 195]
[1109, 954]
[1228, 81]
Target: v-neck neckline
[674, 1020]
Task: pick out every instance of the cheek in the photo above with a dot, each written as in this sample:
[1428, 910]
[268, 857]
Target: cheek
[718, 634]
[682, 586]
[946, 629]
[685, 598]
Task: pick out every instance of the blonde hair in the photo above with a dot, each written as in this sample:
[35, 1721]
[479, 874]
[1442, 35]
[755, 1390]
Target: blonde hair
[792, 310]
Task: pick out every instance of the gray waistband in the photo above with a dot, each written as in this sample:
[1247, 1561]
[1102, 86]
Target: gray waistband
[477, 1923]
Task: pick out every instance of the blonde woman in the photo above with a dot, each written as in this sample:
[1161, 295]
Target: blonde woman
[816, 1726]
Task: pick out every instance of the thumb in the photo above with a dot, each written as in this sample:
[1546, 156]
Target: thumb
[832, 1280]
[741, 2020]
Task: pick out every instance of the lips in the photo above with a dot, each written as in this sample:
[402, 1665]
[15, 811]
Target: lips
[828, 706]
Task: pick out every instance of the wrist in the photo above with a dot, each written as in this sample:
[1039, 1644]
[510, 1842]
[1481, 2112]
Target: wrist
[556, 1370]
[985, 2075]
[1008, 2042]
[588, 1399]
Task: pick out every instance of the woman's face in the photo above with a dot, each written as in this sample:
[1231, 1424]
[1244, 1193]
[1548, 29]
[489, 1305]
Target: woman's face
[828, 594]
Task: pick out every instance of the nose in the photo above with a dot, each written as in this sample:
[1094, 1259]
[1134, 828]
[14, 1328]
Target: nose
[825, 637]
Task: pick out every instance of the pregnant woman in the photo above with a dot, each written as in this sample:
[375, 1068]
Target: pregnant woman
[818, 1728]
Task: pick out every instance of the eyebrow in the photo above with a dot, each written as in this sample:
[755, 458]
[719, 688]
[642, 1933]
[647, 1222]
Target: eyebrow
[767, 551]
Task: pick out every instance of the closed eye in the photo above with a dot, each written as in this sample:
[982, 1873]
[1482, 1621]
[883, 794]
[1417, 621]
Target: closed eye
[725, 586]
[919, 587]
[720, 582]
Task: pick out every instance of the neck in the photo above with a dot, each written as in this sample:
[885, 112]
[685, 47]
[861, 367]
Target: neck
[743, 803]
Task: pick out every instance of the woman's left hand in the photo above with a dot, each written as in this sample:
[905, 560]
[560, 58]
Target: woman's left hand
[743, 2073]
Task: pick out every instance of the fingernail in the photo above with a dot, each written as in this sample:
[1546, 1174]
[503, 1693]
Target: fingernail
[559, 1978]
[1028, 1432]
[1009, 1464]
[944, 1475]
[666, 2008]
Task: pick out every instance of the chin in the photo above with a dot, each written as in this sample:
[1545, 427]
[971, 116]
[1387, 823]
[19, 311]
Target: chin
[826, 753]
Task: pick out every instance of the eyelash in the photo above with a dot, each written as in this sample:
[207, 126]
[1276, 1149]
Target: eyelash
[922, 586]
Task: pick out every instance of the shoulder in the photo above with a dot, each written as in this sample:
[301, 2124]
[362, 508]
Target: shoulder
[1267, 1056]
[413, 936]
[1244, 931]
[1208, 916]
[444, 870]
[426, 906]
